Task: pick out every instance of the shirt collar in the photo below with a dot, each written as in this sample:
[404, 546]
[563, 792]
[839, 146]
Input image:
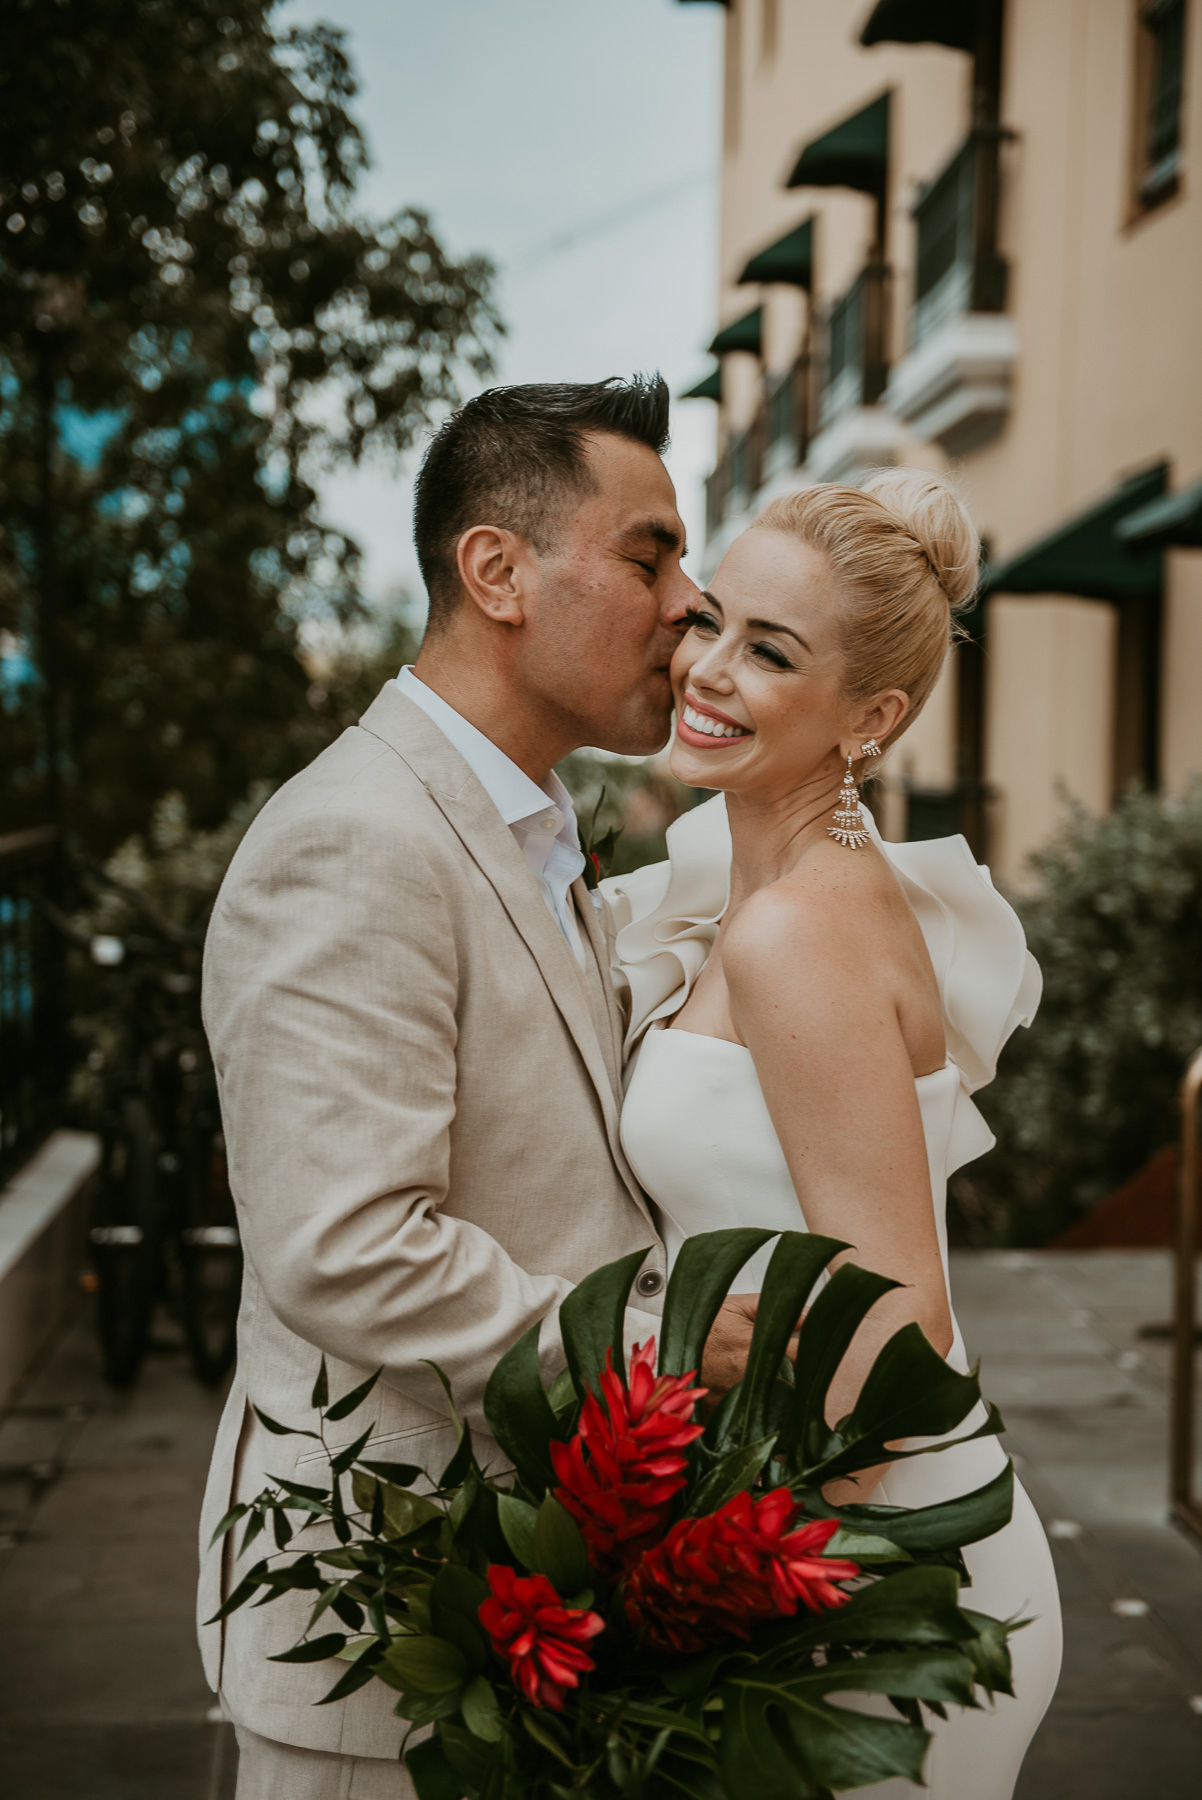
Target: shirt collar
[510, 789]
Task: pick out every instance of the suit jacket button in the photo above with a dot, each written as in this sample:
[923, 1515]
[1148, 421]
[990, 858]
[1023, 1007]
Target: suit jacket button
[649, 1282]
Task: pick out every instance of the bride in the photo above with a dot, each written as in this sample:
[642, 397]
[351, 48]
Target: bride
[811, 1030]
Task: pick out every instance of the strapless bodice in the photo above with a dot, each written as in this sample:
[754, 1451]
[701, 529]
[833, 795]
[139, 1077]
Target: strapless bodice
[697, 1133]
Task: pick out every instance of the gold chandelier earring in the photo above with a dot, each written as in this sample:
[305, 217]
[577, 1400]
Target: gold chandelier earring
[849, 827]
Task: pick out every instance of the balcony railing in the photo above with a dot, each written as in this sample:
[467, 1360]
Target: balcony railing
[958, 268]
[777, 438]
[30, 1000]
[855, 366]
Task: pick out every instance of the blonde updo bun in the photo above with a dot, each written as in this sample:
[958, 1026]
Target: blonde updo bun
[906, 555]
[936, 517]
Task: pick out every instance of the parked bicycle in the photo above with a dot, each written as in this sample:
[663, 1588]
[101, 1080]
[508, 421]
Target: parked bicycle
[163, 1223]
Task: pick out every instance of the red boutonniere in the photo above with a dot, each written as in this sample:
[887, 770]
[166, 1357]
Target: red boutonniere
[598, 851]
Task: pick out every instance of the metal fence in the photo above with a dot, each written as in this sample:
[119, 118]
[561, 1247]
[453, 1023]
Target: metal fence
[30, 997]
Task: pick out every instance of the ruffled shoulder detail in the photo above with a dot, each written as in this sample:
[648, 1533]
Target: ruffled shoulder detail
[661, 920]
[988, 980]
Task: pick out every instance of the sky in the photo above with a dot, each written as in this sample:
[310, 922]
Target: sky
[576, 145]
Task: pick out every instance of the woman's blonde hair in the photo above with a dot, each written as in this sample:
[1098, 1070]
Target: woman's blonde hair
[906, 555]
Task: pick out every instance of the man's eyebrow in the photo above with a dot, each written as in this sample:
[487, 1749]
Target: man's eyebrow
[660, 530]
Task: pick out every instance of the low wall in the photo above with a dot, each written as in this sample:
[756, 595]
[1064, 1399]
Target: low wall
[43, 1248]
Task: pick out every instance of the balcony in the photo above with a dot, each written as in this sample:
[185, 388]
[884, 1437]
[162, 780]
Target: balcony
[855, 432]
[953, 388]
[774, 443]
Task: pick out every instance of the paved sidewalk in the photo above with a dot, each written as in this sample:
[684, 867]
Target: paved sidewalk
[101, 1691]
[101, 1694]
[1084, 1395]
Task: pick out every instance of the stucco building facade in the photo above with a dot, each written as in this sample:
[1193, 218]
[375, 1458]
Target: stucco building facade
[967, 235]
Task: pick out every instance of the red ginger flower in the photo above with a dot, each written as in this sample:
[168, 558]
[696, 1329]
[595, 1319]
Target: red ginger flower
[542, 1638]
[718, 1576]
[624, 1466]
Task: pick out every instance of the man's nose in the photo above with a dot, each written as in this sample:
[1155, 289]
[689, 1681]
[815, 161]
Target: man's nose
[682, 594]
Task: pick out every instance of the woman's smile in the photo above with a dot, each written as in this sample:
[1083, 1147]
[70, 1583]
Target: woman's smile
[705, 728]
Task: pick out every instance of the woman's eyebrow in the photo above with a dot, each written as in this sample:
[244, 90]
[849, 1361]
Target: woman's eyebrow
[768, 625]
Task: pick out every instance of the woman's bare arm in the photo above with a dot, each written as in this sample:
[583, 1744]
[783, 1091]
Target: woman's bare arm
[815, 995]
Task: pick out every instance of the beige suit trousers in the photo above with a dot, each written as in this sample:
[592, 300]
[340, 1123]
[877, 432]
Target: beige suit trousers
[271, 1771]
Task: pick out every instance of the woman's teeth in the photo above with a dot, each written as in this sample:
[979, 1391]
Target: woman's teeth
[711, 727]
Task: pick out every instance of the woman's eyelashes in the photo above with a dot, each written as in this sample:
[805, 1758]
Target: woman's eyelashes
[771, 654]
[705, 622]
[700, 621]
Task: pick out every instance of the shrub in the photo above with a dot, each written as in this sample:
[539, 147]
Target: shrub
[1090, 1092]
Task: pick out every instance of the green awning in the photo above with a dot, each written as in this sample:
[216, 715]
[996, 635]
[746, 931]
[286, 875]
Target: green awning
[853, 154]
[708, 388]
[1173, 519]
[743, 334]
[950, 22]
[790, 259]
[1085, 556]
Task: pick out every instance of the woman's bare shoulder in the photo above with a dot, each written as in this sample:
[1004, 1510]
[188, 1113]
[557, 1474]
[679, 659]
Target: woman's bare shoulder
[846, 904]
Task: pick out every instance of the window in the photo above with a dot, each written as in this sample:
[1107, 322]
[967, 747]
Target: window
[1159, 71]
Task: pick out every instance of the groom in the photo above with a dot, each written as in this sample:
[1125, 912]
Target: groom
[407, 998]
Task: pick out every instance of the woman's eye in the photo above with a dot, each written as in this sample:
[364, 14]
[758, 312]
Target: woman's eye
[771, 654]
[700, 621]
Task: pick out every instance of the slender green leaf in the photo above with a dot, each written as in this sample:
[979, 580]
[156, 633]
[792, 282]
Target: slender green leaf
[255, 1524]
[341, 1463]
[319, 1649]
[231, 1518]
[433, 1776]
[518, 1520]
[731, 1475]
[559, 1551]
[592, 1319]
[250, 1584]
[701, 1277]
[281, 1430]
[321, 1388]
[281, 1528]
[399, 1474]
[519, 1413]
[342, 1409]
[325, 1600]
[539, 1727]
[361, 1671]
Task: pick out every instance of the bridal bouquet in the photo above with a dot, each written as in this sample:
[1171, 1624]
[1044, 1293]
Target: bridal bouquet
[644, 1603]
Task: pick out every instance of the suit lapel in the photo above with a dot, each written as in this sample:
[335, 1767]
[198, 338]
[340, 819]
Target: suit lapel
[473, 817]
[606, 1015]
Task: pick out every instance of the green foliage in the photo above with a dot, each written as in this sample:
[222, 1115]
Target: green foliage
[194, 321]
[1085, 1097]
[407, 1575]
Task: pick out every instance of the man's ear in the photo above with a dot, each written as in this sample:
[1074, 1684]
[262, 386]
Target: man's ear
[492, 568]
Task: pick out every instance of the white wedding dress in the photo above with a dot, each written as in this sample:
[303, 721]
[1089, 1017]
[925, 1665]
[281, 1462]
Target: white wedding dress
[698, 1135]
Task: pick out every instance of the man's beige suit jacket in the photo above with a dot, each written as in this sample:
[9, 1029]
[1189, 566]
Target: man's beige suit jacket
[420, 1094]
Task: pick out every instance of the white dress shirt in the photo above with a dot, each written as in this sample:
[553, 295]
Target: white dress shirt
[541, 819]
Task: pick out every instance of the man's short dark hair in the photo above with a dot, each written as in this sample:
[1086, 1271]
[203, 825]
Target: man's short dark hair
[513, 457]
